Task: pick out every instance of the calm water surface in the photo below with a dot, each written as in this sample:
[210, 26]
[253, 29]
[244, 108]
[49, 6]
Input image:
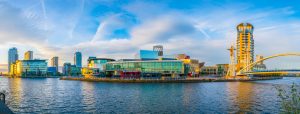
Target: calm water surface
[51, 95]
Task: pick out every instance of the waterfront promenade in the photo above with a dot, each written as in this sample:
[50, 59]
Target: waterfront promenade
[168, 80]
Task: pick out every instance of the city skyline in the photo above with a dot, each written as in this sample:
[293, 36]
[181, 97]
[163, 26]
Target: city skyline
[118, 29]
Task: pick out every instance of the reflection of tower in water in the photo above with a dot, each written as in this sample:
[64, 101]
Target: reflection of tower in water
[241, 95]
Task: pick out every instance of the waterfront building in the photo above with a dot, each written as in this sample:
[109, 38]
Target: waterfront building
[91, 72]
[75, 71]
[28, 55]
[159, 49]
[98, 62]
[218, 69]
[209, 70]
[29, 68]
[245, 45]
[71, 70]
[95, 66]
[52, 71]
[54, 62]
[222, 69]
[66, 69]
[12, 57]
[12, 69]
[78, 59]
[193, 64]
[150, 68]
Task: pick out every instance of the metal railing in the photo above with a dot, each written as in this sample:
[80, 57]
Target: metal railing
[2, 97]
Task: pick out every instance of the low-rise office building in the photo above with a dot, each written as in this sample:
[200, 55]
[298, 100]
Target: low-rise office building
[52, 71]
[154, 68]
[194, 65]
[218, 69]
[95, 67]
[29, 68]
[71, 70]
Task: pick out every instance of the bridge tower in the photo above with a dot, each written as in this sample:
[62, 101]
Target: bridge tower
[232, 66]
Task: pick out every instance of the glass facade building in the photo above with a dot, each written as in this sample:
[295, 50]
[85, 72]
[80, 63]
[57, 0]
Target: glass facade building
[98, 62]
[148, 54]
[95, 67]
[165, 67]
[71, 70]
[78, 59]
[30, 68]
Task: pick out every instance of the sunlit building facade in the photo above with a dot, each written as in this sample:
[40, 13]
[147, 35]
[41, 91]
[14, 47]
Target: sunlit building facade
[12, 57]
[54, 63]
[98, 62]
[245, 45]
[95, 67]
[28, 55]
[193, 64]
[30, 68]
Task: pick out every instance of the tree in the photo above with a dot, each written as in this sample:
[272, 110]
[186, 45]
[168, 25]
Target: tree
[290, 100]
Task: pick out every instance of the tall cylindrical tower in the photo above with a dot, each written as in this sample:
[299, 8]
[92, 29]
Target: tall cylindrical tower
[245, 45]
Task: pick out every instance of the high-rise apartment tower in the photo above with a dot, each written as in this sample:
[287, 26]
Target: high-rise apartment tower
[78, 59]
[28, 55]
[245, 45]
[12, 56]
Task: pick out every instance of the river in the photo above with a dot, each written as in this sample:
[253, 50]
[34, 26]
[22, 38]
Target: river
[51, 95]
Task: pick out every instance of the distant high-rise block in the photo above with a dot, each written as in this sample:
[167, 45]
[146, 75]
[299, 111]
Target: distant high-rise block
[78, 59]
[159, 49]
[12, 57]
[245, 45]
[258, 58]
[67, 69]
[28, 55]
[54, 62]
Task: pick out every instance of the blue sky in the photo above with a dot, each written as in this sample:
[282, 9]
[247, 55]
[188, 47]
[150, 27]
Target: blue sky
[203, 29]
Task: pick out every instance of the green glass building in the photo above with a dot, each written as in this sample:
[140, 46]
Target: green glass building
[163, 67]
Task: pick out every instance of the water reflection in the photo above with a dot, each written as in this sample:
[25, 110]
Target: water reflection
[59, 96]
[240, 95]
[15, 91]
[88, 96]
